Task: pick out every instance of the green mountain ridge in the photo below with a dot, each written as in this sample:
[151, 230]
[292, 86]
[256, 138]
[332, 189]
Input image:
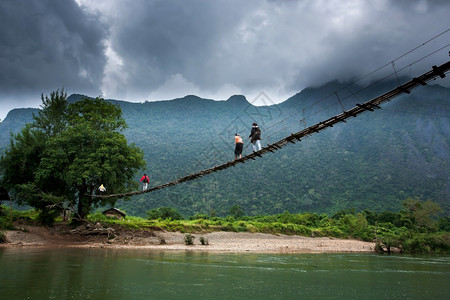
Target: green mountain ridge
[374, 161]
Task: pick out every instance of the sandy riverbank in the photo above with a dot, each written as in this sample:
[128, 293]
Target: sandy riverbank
[61, 236]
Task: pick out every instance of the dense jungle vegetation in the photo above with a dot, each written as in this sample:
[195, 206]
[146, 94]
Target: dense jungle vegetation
[374, 162]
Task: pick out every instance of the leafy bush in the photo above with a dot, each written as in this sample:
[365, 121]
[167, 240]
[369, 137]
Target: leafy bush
[189, 239]
[390, 217]
[307, 219]
[331, 231]
[199, 216]
[444, 224]
[251, 227]
[201, 222]
[2, 237]
[347, 223]
[230, 219]
[236, 211]
[265, 219]
[173, 225]
[164, 213]
[127, 222]
[5, 223]
[48, 216]
[427, 243]
[343, 212]
[388, 241]
[235, 227]
[303, 230]
[326, 222]
[26, 215]
[204, 241]
[422, 214]
[98, 217]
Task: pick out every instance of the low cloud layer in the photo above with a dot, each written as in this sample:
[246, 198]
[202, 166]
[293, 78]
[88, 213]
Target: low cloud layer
[155, 50]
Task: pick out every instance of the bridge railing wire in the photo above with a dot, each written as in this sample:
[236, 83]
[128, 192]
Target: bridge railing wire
[353, 94]
[371, 105]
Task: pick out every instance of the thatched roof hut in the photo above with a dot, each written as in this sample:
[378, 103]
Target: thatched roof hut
[114, 212]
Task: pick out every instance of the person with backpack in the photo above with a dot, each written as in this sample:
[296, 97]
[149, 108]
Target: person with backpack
[145, 181]
[239, 146]
[255, 137]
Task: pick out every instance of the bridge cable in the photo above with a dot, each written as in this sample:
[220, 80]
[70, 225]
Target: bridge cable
[371, 105]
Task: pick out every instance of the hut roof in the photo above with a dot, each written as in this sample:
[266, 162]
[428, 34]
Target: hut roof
[115, 211]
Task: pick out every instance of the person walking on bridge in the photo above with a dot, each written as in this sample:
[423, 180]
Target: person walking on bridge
[145, 181]
[255, 137]
[239, 146]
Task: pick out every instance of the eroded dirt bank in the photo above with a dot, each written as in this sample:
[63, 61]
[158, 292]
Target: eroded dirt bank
[65, 236]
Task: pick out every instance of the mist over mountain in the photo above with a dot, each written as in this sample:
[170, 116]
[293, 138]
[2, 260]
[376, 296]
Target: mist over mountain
[374, 161]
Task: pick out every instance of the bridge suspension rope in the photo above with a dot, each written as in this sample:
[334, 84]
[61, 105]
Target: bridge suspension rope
[371, 105]
[364, 77]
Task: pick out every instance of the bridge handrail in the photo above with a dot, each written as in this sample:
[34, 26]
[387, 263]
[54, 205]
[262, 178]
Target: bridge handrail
[371, 105]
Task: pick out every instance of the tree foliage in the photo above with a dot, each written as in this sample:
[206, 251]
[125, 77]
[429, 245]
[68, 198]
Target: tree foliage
[164, 213]
[67, 152]
[21, 159]
[422, 214]
[52, 117]
[236, 211]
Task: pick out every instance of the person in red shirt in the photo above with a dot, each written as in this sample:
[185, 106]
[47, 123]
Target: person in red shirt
[145, 181]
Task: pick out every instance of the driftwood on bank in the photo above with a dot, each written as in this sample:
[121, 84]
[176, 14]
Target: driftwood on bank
[97, 229]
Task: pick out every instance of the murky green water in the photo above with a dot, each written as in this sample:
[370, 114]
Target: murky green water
[138, 274]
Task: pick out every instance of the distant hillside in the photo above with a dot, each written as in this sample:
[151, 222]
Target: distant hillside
[13, 122]
[374, 161]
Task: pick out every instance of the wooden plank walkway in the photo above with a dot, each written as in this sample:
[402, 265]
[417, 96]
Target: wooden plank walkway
[371, 105]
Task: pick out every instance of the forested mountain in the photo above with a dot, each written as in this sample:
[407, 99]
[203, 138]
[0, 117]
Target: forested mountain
[374, 161]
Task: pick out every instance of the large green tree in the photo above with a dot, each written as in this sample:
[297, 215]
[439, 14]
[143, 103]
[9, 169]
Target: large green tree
[67, 152]
[423, 214]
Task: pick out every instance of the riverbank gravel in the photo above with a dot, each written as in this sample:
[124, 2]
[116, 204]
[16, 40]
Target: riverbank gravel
[59, 236]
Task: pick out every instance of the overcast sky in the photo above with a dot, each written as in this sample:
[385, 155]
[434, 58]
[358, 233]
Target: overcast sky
[138, 50]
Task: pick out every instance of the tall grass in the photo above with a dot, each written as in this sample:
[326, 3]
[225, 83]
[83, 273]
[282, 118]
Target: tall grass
[362, 226]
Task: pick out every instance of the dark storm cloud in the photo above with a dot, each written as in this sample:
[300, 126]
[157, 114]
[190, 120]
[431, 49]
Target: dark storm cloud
[159, 39]
[46, 45]
[161, 49]
[254, 46]
[377, 33]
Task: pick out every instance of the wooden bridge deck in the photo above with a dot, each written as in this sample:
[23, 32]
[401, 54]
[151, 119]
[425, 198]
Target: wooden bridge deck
[371, 105]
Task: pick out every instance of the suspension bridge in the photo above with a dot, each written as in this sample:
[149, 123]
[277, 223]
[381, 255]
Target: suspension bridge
[371, 105]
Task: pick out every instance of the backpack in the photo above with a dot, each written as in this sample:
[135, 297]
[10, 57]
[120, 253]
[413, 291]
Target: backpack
[145, 180]
[256, 135]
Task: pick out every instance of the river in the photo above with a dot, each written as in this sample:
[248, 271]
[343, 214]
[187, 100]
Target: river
[67, 273]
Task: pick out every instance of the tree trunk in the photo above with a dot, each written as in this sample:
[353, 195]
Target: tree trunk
[84, 205]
